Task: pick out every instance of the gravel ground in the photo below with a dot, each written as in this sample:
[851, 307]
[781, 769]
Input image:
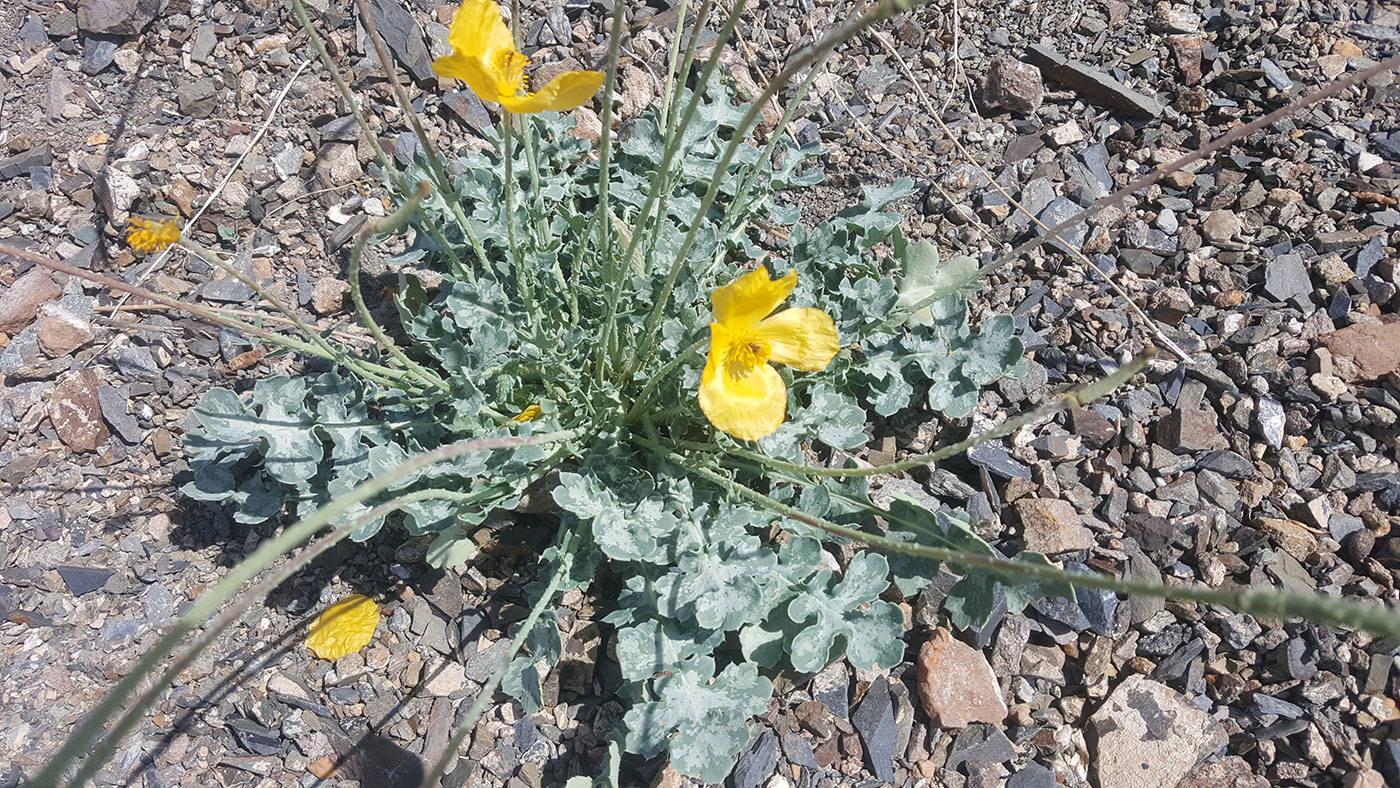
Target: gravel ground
[1269, 458]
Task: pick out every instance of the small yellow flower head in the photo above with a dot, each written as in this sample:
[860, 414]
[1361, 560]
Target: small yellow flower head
[144, 235]
[484, 56]
[343, 628]
[740, 393]
[529, 414]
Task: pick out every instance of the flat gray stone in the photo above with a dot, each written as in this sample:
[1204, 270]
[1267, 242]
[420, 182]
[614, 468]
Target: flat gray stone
[1092, 84]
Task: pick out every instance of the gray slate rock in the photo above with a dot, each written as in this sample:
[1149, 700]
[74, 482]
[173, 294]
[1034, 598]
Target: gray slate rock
[1059, 210]
[116, 17]
[1033, 775]
[98, 54]
[757, 762]
[197, 98]
[1285, 278]
[1093, 84]
[83, 579]
[404, 38]
[980, 743]
[874, 722]
[20, 163]
[114, 411]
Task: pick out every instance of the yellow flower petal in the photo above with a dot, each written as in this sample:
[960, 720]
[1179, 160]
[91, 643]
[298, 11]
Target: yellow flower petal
[470, 70]
[343, 628]
[751, 297]
[145, 235]
[749, 406]
[478, 31]
[802, 337]
[563, 93]
[530, 413]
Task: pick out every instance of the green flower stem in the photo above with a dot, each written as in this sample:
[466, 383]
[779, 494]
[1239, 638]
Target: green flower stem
[102, 753]
[439, 175]
[1076, 398]
[522, 278]
[752, 174]
[661, 179]
[565, 540]
[1263, 602]
[606, 261]
[541, 226]
[643, 399]
[202, 608]
[394, 222]
[668, 95]
[694, 46]
[853, 27]
[382, 375]
[385, 163]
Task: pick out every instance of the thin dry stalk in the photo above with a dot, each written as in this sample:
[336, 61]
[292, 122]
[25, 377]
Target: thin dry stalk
[1050, 234]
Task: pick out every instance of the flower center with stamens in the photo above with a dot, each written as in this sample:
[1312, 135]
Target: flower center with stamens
[509, 66]
[747, 351]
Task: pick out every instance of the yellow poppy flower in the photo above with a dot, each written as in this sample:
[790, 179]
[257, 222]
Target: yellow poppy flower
[484, 56]
[343, 628]
[144, 235]
[739, 392]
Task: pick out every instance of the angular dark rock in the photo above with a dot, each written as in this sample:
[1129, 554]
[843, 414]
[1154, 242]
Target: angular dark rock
[998, 461]
[197, 98]
[1227, 463]
[1033, 775]
[1093, 84]
[20, 163]
[756, 763]
[1191, 430]
[1059, 210]
[98, 54]
[116, 17]
[1285, 278]
[83, 579]
[874, 721]
[255, 738]
[404, 38]
[114, 411]
[980, 743]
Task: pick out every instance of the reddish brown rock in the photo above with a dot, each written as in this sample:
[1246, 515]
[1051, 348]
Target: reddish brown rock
[1187, 51]
[956, 685]
[61, 330]
[76, 413]
[1050, 525]
[1366, 351]
[1231, 771]
[328, 296]
[20, 303]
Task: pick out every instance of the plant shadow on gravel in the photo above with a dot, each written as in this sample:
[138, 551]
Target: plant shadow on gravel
[383, 569]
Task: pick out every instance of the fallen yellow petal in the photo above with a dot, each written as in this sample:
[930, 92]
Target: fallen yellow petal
[343, 628]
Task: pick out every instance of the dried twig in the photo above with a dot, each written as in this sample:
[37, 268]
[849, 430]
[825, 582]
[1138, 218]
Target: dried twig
[228, 176]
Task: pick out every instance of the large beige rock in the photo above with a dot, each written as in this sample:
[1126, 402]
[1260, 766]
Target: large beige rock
[1149, 736]
[1050, 525]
